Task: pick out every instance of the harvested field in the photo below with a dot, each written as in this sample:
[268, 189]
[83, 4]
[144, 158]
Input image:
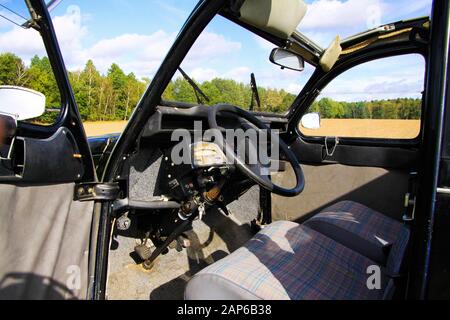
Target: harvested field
[363, 128]
[94, 129]
[366, 128]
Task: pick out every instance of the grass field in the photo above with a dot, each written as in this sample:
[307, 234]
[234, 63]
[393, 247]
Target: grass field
[398, 129]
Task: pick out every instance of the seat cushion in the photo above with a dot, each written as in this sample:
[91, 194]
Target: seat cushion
[287, 261]
[374, 235]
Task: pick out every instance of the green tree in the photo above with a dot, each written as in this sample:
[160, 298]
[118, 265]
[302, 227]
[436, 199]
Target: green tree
[12, 70]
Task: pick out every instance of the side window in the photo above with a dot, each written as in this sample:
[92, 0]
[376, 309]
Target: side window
[377, 99]
[24, 67]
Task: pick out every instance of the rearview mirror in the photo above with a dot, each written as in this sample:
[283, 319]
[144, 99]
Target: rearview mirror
[311, 121]
[22, 102]
[287, 59]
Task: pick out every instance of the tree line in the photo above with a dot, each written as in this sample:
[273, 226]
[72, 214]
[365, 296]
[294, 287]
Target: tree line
[114, 95]
[400, 108]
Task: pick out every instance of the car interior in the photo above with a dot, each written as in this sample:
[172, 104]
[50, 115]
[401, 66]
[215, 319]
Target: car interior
[179, 210]
[336, 210]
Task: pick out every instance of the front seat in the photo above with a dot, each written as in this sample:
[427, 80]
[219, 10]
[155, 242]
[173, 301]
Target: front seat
[291, 261]
[287, 261]
[364, 230]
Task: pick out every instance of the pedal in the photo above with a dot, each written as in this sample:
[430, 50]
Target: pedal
[143, 251]
[182, 242]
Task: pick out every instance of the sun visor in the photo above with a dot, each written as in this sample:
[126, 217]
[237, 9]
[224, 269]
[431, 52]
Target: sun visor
[277, 17]
[331, 55]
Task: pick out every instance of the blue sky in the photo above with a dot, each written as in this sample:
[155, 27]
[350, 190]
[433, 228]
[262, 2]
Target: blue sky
[136, 34]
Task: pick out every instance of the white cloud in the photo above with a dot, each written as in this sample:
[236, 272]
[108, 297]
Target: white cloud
[374, 88]
[70, 33]
[210, 47]
[134, 52]
[202, 74]
[240, 74]
[327, 18]
[294, 88]
[357, 86]
[25, 43]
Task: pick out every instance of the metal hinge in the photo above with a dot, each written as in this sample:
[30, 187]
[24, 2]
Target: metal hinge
[96, 191]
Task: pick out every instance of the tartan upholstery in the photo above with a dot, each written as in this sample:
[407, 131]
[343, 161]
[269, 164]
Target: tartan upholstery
[287, 261]
[364, 230]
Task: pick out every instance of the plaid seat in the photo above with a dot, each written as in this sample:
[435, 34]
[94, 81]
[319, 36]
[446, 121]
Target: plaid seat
[287, 261]
[374, 235]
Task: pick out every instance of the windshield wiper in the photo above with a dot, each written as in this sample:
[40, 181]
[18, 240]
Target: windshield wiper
[198, 92]
[255, 94]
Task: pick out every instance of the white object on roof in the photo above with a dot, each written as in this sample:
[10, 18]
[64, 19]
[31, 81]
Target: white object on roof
[23, 102]
[278, 17]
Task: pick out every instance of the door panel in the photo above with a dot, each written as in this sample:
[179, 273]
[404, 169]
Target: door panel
[378, 188]
[357, 154]
[44, 242]
[52, 160]
[376, 176]
[44, 234]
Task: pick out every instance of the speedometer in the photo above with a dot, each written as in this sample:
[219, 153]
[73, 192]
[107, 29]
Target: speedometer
[207, 154]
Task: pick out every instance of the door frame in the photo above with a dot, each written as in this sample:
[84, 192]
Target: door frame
[69, 116]
[320, 79]
[427, 209]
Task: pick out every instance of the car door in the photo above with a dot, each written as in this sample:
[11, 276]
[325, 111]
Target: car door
[45, 231]
[367, 147]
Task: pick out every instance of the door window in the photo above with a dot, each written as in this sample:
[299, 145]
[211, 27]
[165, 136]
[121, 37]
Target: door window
[377, 99]
[25, 68]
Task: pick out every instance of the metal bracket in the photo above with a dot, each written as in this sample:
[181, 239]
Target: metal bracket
[331, 152]
[443, 191]
[410, 201]
[13, 138]
[96, 191]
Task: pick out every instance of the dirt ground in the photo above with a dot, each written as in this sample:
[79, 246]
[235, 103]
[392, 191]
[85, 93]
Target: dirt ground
[399, 129]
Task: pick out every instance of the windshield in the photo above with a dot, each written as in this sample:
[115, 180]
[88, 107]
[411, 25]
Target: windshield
[222, 62]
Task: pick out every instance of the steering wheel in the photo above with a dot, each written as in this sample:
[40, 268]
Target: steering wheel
[253, 171]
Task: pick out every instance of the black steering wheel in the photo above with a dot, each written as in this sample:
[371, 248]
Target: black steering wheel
[253, 171]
